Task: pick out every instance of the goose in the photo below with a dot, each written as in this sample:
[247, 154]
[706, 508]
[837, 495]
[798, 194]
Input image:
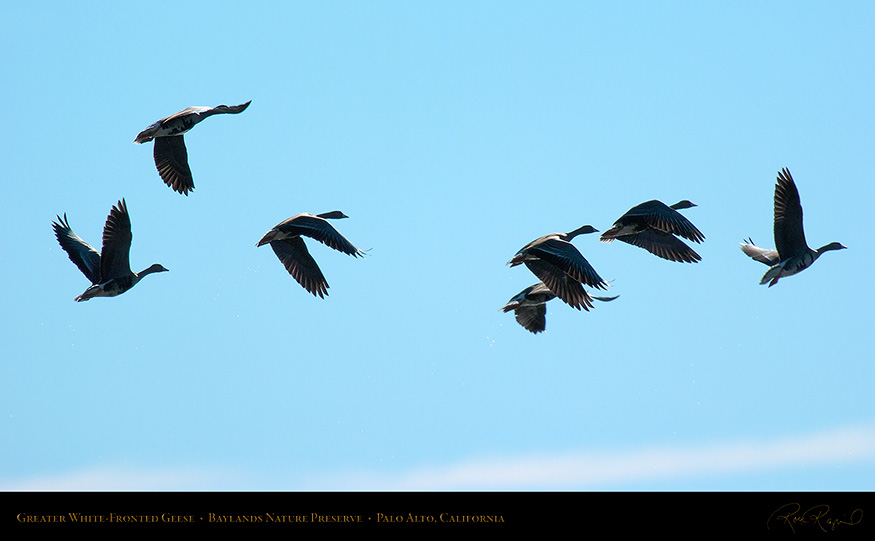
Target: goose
[793, 254]
[653, 225]
[530, 306]
[110, 270]
[171, 158]
[285, 239]
[562, 268]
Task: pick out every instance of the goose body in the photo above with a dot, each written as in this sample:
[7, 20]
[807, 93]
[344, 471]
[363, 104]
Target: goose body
[561, 266]
[653, 225]
[286, 240]
[171, 157]
[792, 254]
[530, 306]
[109, 270]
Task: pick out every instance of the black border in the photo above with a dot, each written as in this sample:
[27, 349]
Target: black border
[645, 513]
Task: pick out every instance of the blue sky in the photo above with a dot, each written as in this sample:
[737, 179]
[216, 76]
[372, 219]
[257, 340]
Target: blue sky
[451, 134]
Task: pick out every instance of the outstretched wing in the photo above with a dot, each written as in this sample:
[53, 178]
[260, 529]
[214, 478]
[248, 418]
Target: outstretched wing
[533, 317]
[568, 258]
[171, 159]
[293, 254]
[769, 257]
[319, 229]
[114, 257]
[664, 245]
[658, 215]
[789, 234]
[562, 285]
[80, 252]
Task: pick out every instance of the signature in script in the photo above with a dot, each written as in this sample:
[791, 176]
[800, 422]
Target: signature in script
[816, 516]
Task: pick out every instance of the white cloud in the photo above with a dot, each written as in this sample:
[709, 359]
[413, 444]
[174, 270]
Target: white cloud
[600, 470]
[580, 470]
[120, 479]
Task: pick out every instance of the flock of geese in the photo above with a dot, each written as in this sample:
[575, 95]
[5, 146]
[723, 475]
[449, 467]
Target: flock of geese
[655, 227]
[110, 271]
[563, 270]
[553, 259]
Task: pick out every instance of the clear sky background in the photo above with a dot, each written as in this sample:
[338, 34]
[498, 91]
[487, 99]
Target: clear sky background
[451, 134]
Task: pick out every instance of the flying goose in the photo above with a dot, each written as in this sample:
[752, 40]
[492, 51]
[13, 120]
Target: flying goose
[561, 267]
[653, 226]
[793, 254]
[110, 270]
[530, 306]
[285, 239]
[171, 158]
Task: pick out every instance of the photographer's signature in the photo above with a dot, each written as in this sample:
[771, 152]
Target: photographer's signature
[817, 516]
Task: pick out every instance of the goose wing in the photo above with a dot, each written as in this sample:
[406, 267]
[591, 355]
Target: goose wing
[662, 244]
[560, 283]
[539, 293]
[531, 311]
[567, 257]
[534, 294]
[188, 111]
[293, 254]
[231, 109]
[80, 252]
[769, 257]
[789, 233]
[171, 159]
[533, 317]
[658, 215]
[114, 257]
[319, 229]
[182, 121]
[202, 112]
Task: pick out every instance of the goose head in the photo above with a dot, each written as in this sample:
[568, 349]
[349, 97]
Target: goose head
[581, 231]
[832, 246]
[685, 204]
[333, 215]
[154, 268]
